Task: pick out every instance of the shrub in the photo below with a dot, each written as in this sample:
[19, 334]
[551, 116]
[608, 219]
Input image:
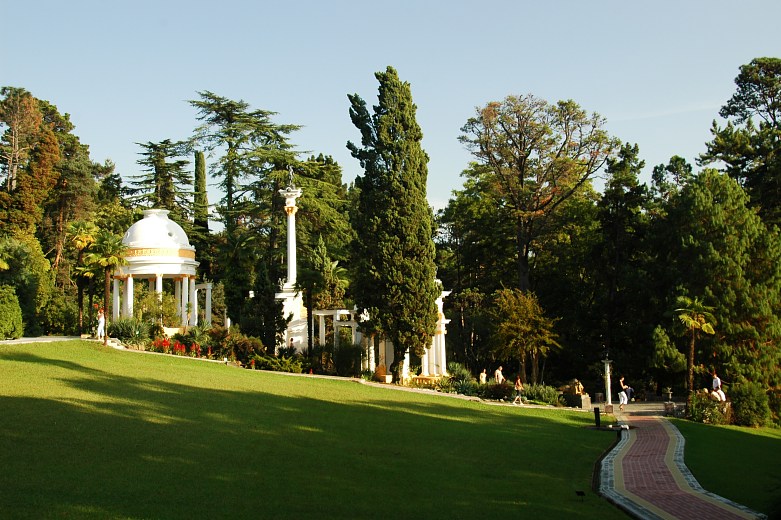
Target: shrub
[541, 394]
[500, 391]
[703, 408]
[774, 402]
[459, 373]
[129, 330]
[347, 359]
[749, 404]
[277, 364]
[10, 314]
[243, 348]
[465, 387]
[61, 315]
[444, 385]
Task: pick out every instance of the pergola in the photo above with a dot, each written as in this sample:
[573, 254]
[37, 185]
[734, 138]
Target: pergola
[158, 248]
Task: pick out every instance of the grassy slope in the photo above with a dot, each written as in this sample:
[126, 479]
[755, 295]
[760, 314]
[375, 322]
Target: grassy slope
[737, 463]
[90, 432]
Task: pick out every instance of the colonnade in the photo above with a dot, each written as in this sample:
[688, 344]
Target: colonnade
[185, 291]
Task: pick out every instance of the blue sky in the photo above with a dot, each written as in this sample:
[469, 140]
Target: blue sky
[124, 70]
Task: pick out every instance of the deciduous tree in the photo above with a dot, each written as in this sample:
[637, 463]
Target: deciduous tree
[538, 155]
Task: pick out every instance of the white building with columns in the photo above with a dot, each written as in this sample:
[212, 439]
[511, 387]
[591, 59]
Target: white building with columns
[434, 360]
[158, 248]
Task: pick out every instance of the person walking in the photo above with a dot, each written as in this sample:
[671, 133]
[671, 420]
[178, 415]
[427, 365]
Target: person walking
[498, 376]
[518, 390]
[101, 324]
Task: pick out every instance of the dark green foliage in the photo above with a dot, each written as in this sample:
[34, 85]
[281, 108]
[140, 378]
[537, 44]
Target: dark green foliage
[541, 394]
[774, 403]
[241, 348]
[749, 404]
[10, 314]
[500, 392]
[129, 330]
[199, 236]
[722, 253]
[61, 314]
[278, 363]
[749, 145]
[165, 183]
[347, 360]
[703, 408]
[393, 253]
[31, 277]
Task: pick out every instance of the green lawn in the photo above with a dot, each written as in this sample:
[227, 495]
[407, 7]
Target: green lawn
[91, 432]
[741, 464]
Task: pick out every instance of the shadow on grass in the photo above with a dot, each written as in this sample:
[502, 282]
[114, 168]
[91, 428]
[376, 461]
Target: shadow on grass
[129, 444]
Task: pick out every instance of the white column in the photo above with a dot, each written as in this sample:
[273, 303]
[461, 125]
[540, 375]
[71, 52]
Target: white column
[159, 286]
[185, 295]
[405, 367]
[178, 296]
[442, 357]
[424, 363]
[129, 296]
[321, 332]
[207, 319]
[123, 299]
[291, 193]
[193, 299]
[115, 300]
[194, 304]
[372, 364]
[291, 246]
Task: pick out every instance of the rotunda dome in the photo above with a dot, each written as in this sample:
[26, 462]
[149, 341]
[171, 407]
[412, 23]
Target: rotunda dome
[156, 230]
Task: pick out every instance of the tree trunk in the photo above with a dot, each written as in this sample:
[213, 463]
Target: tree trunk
[691, 366]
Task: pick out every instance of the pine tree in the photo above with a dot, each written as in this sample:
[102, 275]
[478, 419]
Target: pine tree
[394, 270]
[165, 183]
[723, 254]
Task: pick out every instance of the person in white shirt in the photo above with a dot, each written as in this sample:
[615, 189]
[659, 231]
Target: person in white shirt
[498, 376]
[718, 393]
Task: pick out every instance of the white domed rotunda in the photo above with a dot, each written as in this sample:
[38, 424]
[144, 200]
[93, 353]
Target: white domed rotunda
[158, 248]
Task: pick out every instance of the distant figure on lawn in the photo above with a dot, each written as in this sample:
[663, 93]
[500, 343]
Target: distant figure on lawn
[498, 377]
[101, 324]
[483, 377]
[718, 393]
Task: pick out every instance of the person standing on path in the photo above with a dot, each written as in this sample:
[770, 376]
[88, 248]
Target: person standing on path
[498, 376]
[101, 324]
[622, 395]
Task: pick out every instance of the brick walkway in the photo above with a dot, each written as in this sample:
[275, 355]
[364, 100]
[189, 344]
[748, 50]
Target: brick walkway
[646, 476]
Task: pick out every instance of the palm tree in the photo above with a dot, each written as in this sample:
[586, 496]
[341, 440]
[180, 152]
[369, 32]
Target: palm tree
[82, 235]
[695, 316]
[108, 251]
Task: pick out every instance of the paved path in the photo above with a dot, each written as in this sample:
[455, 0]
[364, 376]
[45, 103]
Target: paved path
[646, 476]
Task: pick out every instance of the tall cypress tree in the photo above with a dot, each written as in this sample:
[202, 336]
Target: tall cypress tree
[393, 250]
[200, 233]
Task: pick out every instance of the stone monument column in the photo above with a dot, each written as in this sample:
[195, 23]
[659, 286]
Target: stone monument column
[292, 300]
[291, 193]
